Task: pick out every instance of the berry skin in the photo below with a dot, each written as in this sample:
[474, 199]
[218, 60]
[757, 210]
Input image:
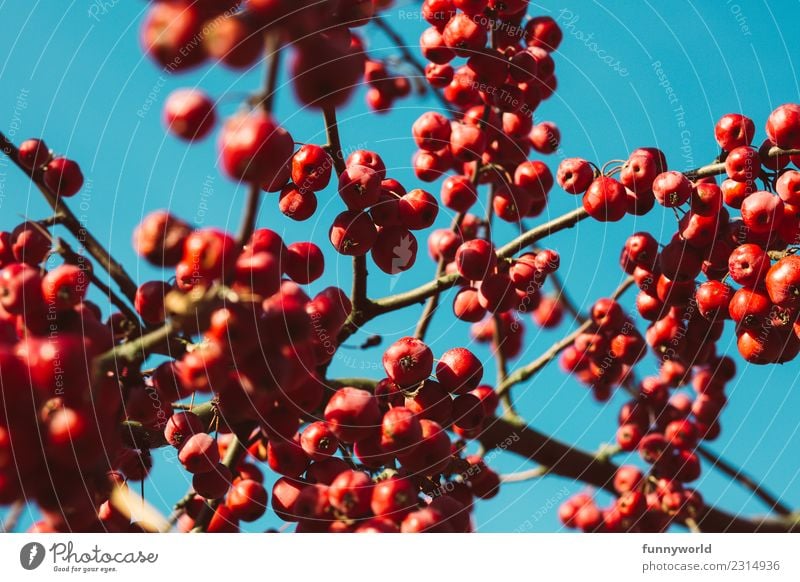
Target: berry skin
[713, 298]
[408, 361]
[395, 250]
[65, 287]
[247, 500]
[783, 282]
[318, 441]
[149, 301]
[351, 494]
[394, 498]
[400, 431]
[459, 371]
[743, 164]
[762, 212]
[304, 262]
[672, 189]
[63, 177]
[734, 130]
[353, 233]
[788, 187]
[575, 175]
[748, 265]
[458, 193]
[160, 237]
[33, 153]
[352, 414]
[359, 187]
[464, 36]
[209, 254]
[181, 426]
[418, 209]
[297, 204]
[254, 148]
[476, 259]
[199, 454]
[189, 114]
[311, 168]
[431, 131]
[605, 200]
[783, 126]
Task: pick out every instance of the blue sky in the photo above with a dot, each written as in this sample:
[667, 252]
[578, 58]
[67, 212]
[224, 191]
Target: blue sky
[629, 75]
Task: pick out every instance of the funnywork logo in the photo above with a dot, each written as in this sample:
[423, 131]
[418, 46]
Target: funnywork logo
[31, 555]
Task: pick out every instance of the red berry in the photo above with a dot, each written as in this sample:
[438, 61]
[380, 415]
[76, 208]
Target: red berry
[408, 361]
[476, 259]
[254, 148]
[353, 233]
[400, 431]
[199, 454]
[189, 114]
[351, 494]
[149, 301]
[575, 175]
[395, 250]
[33, 154]
[297, 204]
[352, 413]
[459, 371]
[672, 189]
[63, 177]
[394, 498]
[605, 200]
[65, 287]
[311, 168]
[783, 126]
[783, 282]
[359, 187]
[734, 130]
[304, 262]
[418, 209]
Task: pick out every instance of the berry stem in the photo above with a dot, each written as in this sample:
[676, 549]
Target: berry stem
[235, 452]
[71, 222]
[272, 54]
[409, 57]
[358, 294]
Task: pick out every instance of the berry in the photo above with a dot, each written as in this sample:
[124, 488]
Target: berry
[63, 177]
[189, 114]
[408, 361]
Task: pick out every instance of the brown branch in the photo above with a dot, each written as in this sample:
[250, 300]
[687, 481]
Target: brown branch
[409, 57]
[567, 461]
[73, 224]
[738, 475]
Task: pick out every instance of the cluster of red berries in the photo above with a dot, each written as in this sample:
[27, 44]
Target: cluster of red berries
[496, 93]
[687, 318]
[59, 427]
[645, 505]
[501, 287]
[328, 59]
[603, 356]
[62, 176]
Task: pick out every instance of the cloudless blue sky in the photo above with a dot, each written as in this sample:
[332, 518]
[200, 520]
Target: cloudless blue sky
[83, 84]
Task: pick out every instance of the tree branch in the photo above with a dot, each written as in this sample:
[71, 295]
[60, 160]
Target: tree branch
[71, 222]
[567, 461]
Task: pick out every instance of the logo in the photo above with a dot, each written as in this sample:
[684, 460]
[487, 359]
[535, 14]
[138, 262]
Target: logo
[31, 555]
